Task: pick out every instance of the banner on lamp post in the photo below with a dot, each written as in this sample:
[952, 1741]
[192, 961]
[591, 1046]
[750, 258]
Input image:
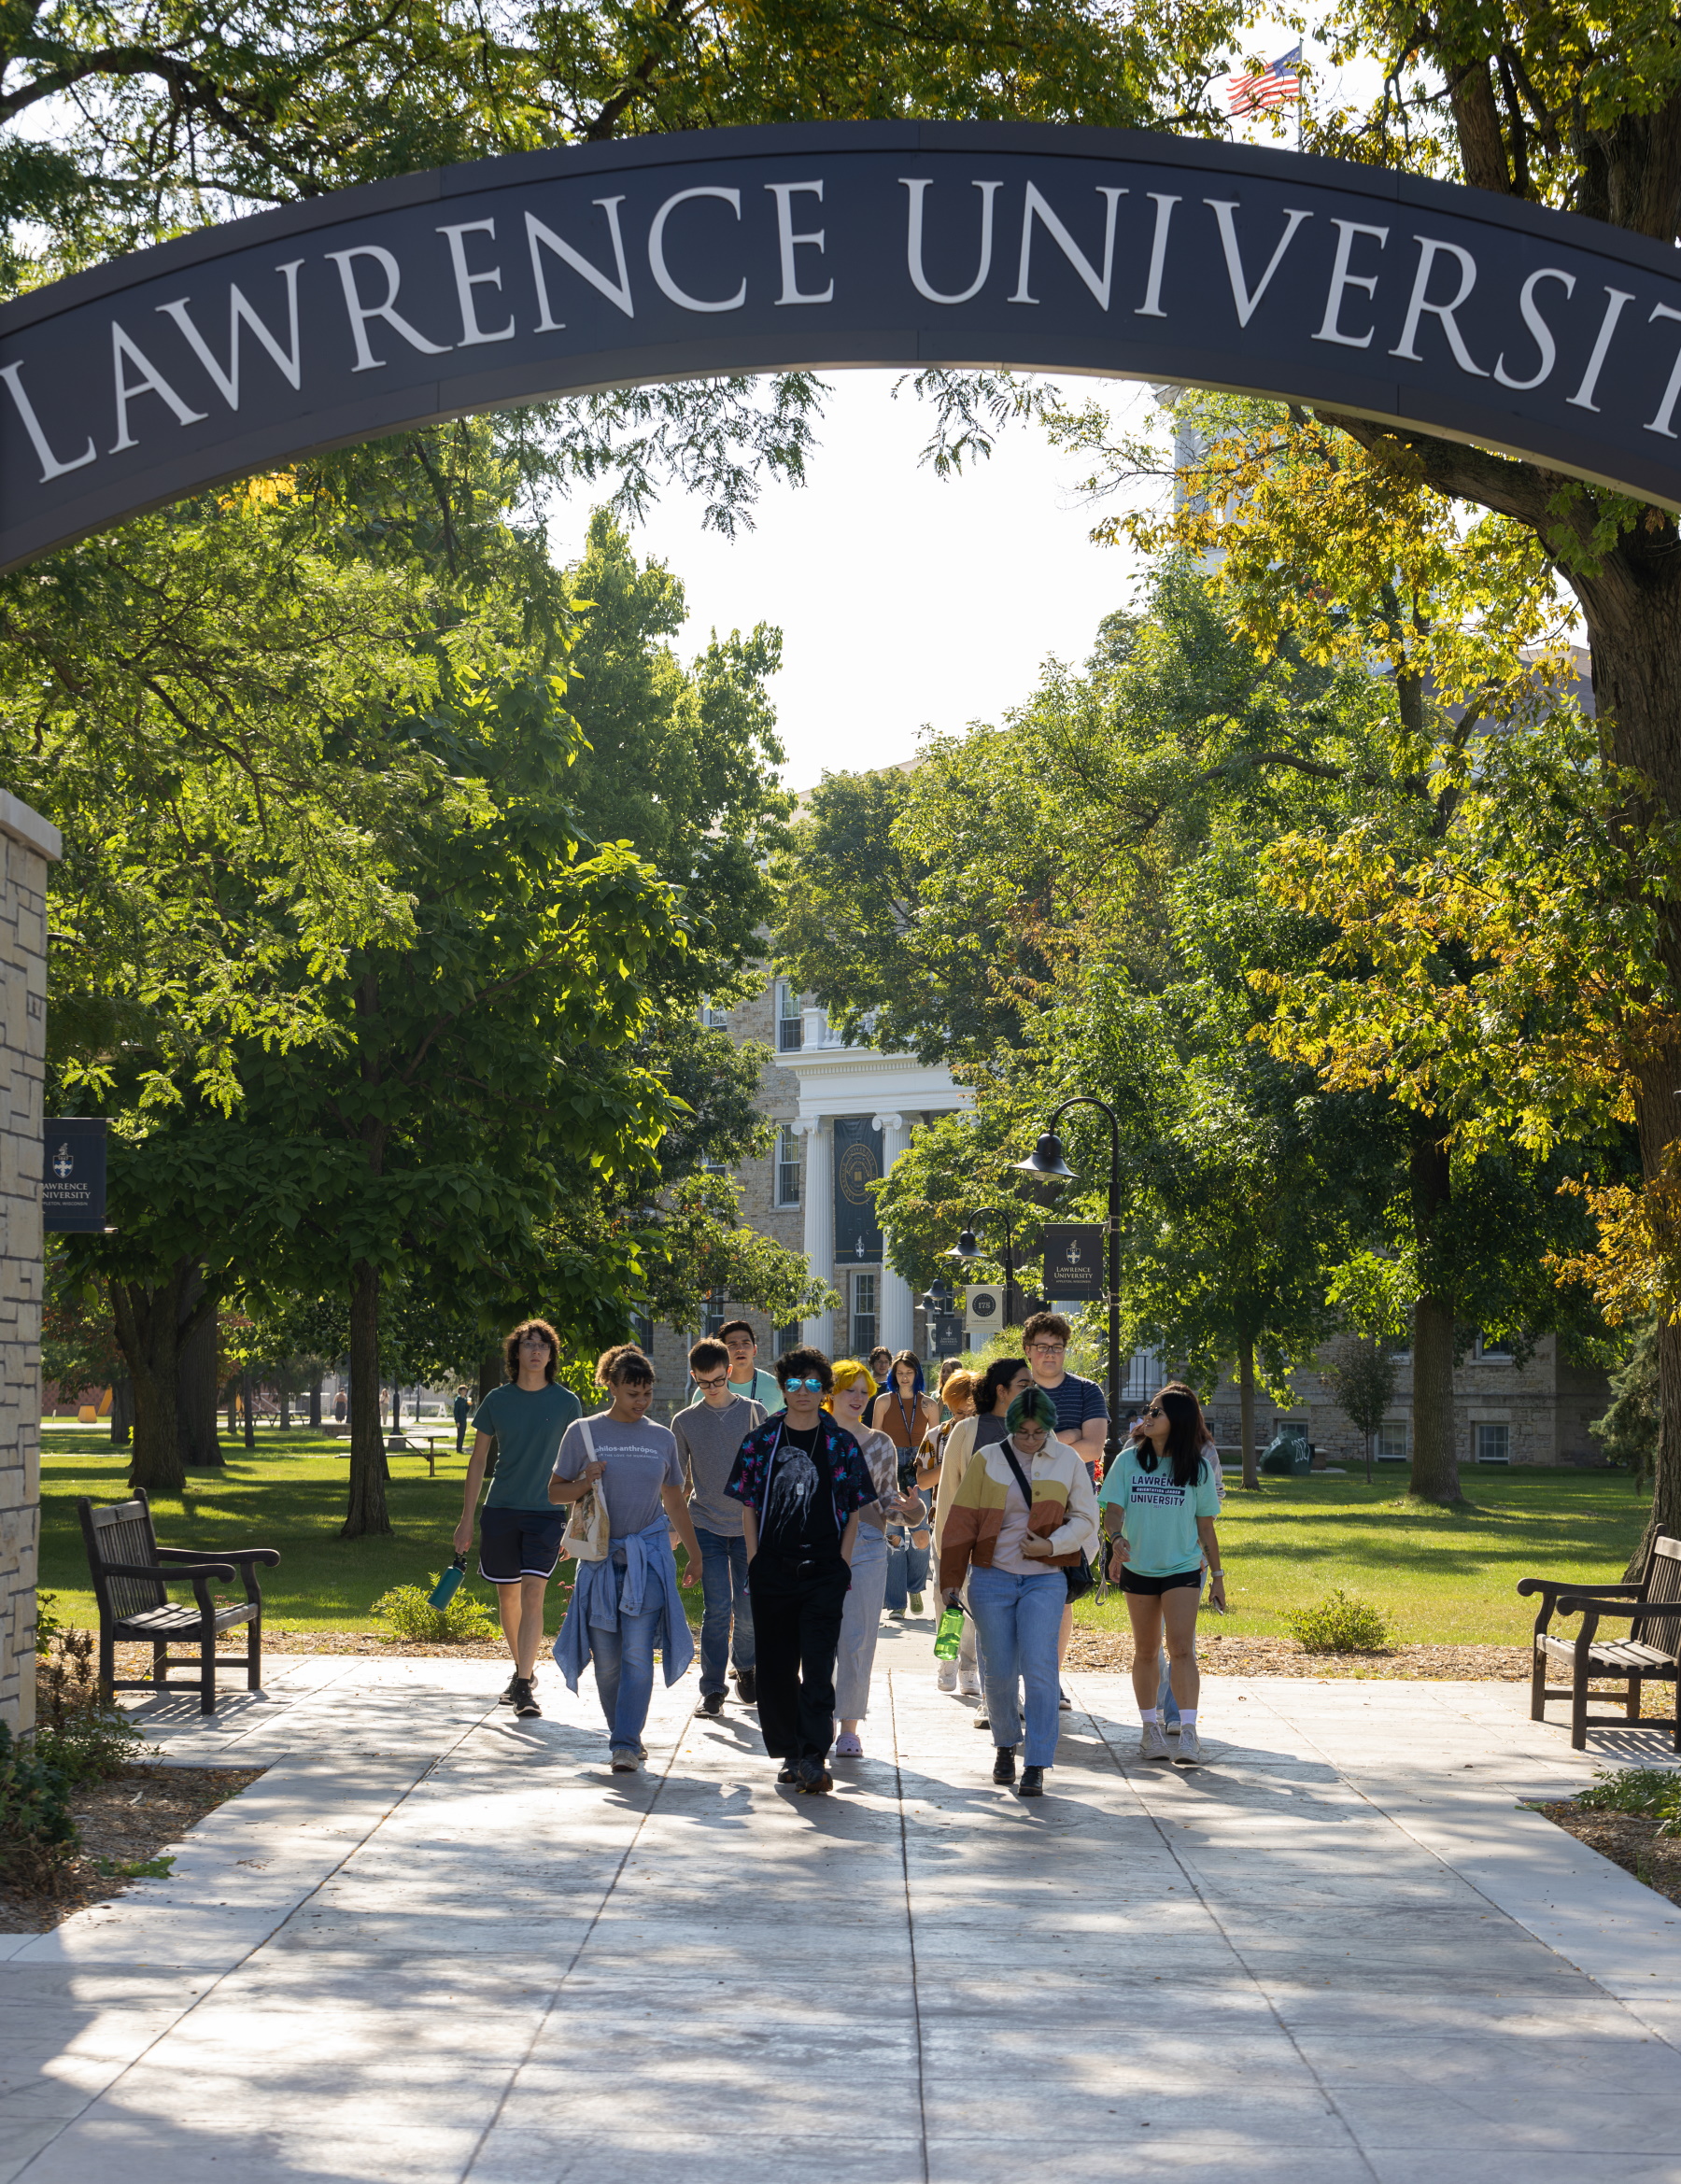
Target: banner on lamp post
[1074, 1262]
[73, 1175]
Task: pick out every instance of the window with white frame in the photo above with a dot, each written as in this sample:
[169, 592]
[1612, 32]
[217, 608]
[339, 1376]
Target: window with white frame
[715, 1020]
[1495, 1346]
[863, 1314]
[1493, 1441]
[1391, 1443]
[787, 1166]
[790, 1025]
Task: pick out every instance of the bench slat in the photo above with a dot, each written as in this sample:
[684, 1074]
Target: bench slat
[173, 1621]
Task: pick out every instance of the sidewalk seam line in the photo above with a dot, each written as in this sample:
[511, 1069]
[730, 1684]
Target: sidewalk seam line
[898, 1792]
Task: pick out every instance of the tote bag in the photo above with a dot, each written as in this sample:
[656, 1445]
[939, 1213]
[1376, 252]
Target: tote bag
[587, 1531]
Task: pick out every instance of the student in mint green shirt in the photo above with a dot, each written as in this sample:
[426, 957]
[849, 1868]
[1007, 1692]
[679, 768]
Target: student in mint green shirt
[746, 1378]
[1163, 1501]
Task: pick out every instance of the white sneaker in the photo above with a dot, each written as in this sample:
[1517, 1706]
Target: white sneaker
[1189, 1749]
[1152, 1744]
[945, 1676]
[969, 1686]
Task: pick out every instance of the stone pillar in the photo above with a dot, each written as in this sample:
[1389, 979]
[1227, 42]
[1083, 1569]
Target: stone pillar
[896, 1322]
[817, 1186]
[27, 846]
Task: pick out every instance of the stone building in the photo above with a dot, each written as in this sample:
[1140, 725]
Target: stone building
[843, 1115]
[1504, 1410]
[27, 846]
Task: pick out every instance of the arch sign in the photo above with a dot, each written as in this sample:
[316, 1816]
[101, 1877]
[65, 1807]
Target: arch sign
[241, 348]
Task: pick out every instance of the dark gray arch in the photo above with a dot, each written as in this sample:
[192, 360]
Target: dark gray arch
[828, 244]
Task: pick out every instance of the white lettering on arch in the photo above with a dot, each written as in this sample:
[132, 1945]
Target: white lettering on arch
[360, 313]
[918, 186]
[1342, 280]
[1033, 206]
[50, 466]
[656, 259]
[1429, 249]
[472, 331]
[1547, 349]
[288, 361]
[151, 381]
[788, 242]
[1222, 209]
[542, 238]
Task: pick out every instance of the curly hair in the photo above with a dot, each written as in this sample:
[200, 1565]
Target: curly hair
[615, 1364]
[511, 1347]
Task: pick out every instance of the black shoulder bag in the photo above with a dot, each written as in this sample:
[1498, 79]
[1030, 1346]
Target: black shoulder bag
[1081, 1580]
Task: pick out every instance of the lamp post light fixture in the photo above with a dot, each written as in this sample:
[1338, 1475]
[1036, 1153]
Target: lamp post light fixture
[1045, 1160]
[968, 1248]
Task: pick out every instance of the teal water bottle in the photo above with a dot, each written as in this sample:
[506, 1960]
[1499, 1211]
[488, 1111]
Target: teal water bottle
[949, 1636]
[448, 1584]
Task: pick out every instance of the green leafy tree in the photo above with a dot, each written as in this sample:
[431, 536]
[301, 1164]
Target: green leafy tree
[1362, 1380]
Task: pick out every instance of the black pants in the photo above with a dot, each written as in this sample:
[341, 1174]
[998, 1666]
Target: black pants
[797, 1612]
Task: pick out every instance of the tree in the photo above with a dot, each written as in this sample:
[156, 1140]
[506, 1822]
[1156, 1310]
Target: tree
[1362, 1380]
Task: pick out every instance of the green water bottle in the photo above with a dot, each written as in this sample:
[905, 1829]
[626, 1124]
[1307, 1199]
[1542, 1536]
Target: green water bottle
[444, 1590]
[949, 1636]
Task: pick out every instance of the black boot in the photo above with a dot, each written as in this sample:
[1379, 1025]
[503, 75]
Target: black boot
[1032, 1783]
[1004, 1765]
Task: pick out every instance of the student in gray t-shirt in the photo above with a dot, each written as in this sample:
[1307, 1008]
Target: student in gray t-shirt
[709, 1434]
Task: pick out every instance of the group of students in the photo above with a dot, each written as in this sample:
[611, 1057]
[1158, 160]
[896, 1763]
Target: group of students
[791, 1495]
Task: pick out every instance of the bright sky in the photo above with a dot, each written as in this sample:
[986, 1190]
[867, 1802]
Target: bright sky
[902, 597]
[905, 599]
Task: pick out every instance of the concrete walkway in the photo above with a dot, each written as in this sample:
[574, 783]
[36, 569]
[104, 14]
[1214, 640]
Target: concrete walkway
[436, 1944]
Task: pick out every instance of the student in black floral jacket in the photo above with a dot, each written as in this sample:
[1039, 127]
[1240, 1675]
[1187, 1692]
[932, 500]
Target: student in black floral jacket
[801, 1480]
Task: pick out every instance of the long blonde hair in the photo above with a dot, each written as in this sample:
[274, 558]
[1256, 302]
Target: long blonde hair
[847, 1373]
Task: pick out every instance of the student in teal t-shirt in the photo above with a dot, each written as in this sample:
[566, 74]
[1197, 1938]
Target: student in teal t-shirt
[1162, 1504]
[520, 1529]
[747, 1377]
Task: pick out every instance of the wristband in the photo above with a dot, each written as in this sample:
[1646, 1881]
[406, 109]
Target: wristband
[1214, 1573]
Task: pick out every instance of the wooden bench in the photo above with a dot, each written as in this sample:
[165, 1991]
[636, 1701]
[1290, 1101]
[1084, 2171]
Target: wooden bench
[131, 1576]
[1649, 1653]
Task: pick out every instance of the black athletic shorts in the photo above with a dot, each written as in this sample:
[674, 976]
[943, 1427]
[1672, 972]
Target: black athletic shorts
[520, 1542]
[1133, 1581]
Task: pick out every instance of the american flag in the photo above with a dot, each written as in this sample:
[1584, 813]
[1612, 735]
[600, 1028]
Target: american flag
[1276, 86]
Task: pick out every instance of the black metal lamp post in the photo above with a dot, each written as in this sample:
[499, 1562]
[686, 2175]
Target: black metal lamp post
[1046, 1159]
[968, 1248]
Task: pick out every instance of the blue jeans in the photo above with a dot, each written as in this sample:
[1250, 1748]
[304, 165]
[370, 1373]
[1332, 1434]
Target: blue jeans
[624, 1672]
[1018, 1621]
[907, 1571]
[727, 1612]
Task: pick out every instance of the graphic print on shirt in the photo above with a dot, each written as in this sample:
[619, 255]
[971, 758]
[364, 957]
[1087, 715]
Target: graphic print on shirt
[793, 1492]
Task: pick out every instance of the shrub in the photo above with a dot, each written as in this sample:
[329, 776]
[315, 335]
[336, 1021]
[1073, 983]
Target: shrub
[1651, 1793]
[411, 1614]
[76, 1733]
[37, 1835]
[1341, 1624]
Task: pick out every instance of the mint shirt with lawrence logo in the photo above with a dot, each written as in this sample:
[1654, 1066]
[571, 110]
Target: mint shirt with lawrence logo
[1159, 1518]
[529, 1424]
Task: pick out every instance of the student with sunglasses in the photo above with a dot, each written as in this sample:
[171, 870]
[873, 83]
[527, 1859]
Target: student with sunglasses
[801, 1480]
[1161, 1496]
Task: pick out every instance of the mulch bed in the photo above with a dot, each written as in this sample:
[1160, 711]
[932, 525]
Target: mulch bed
[1629, 1840]
[125, 1822]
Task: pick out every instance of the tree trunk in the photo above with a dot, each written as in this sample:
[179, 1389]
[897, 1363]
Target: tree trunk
[195, 1389]
[148, 1330]
[367, 1512]
[1434, 1460]
[234, 1409]
[122, 1411]
[1246, 1390]
[248, 1402]
[396, 1408]
[314, 1404]
[285, 1406]
[1368, 1458]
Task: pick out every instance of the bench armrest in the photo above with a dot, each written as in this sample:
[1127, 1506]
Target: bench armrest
[1526, 1586]
[269, 1555]
[1596, 1604]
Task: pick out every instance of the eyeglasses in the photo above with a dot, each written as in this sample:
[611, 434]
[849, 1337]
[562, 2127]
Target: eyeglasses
[1048, 1349]
[718, 1380]
[811, 1381]
[534, 1342]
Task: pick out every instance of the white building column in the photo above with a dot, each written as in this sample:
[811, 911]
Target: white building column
[817, 1188]
[896, 1319]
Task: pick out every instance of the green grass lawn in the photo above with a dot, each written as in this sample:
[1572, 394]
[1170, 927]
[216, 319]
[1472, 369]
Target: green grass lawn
[289, 1495]
[1442, 1578]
